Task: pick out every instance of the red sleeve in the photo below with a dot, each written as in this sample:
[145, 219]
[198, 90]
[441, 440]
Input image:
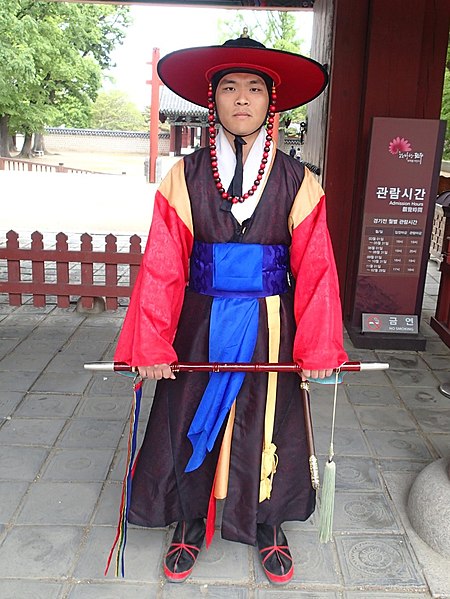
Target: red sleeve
[319, 338]
[152, 318]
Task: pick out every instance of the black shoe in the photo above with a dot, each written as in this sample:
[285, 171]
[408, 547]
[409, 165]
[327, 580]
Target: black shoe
[274, 552]
[182, 554]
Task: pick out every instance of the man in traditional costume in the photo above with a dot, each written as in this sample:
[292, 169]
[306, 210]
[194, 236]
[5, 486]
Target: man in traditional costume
[238, 267]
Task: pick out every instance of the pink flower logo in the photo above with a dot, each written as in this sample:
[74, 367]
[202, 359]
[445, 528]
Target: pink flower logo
[399, 144]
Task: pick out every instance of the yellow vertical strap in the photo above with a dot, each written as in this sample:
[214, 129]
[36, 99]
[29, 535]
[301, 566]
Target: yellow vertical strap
[223, 463]
[269, 458]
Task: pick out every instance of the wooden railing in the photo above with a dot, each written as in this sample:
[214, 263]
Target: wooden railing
[14, 164]
[441, 321]
[66, 273]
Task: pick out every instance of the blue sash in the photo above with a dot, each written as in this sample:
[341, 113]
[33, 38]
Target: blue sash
[234, 275]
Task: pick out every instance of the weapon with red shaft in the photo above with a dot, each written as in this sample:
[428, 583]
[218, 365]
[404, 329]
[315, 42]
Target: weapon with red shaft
[234, 367]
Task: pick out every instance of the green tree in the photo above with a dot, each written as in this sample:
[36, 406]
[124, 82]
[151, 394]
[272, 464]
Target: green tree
[51, 59]
[445, 110]
[274, 29]
[114, 111]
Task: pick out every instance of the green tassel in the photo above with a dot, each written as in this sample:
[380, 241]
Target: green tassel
[327, 502]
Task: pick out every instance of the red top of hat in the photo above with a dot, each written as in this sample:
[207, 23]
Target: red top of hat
[188, 72]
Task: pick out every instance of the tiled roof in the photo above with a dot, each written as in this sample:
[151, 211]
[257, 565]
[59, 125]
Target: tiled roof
[172, 105]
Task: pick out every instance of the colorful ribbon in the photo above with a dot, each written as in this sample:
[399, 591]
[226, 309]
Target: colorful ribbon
[121, 534]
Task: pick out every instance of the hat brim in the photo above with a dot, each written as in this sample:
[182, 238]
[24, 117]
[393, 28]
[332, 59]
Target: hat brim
[298, 79]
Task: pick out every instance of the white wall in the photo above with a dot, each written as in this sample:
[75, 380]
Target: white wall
[75, 203]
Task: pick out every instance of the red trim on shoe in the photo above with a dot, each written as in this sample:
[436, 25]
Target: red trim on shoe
[176, 577]
[179, 548]
[276, 578]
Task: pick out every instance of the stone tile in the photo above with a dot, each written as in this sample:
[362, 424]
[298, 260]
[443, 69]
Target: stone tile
[363, 512]
[414, 378]
[43, 405]
[26, 589]
[31, 431]
[437, 362]
[118, 467]
[89, 465]
[402, 360]
[321, 412]
[39, 551]
[441, 443]
[372, 378]
[386, 595]
[367, 395]
[68, 362]
[6, 346]
[385, 418]
[143, 555]
[90, 433]
[10, 330]
[434, 567]
[112, 385]
[224, 561]
[402, 465]
[436, 347]
[294, 594]
[392, 444]
[107, 512]
[436, 420]
[9, 400]
[115, 590]
[350, 442]
[313, 561]
[356, 473]
[205, 591]
[11, 494]
[25, 317]
[443, 376]
[423, 397]
[311, 524]
[59, 503]
[21, 463]
[21, 381]
[361, 355]
[110, 408]
[378, 560]
[67, 382]
[22, 361]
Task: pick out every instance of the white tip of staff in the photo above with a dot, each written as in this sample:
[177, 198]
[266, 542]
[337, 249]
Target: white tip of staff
[104, 366]
[374, 366]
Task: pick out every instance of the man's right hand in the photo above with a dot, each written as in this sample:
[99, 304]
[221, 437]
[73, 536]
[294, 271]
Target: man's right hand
[156, 372]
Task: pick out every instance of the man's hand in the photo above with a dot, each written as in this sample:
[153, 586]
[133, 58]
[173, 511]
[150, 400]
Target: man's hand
[156, 372]
[315, 374]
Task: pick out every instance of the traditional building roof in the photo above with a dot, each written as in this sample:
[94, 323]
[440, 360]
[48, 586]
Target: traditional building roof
[176, 110]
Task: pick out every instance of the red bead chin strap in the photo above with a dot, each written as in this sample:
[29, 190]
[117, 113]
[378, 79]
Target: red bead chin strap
[213, 154]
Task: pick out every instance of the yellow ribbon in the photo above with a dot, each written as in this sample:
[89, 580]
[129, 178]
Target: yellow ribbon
[269, 460]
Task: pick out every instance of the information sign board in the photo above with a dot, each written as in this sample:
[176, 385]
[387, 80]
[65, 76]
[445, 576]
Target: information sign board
[399, 204]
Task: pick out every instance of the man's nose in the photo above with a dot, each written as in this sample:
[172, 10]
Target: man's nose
[242, 99]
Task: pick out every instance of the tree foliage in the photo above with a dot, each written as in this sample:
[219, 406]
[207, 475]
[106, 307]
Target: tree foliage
[51, 59]
[114, 111]
[445, 110]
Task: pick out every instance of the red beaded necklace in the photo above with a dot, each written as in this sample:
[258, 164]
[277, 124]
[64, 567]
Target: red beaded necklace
[213, 154]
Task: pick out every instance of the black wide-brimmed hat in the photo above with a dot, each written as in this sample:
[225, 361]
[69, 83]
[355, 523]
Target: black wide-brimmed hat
[188, 72]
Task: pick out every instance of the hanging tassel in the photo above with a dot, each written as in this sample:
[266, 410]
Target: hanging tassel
[121, 534]
[329, 483]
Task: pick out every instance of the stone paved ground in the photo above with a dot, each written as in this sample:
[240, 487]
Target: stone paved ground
[63, 443]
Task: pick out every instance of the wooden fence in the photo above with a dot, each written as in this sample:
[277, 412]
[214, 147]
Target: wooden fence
[66, 273]
[441, 321]
[13, 164]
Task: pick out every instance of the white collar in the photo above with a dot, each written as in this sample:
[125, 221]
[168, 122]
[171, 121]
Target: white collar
[226, 160]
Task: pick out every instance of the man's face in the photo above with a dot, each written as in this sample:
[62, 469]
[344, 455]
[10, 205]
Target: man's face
[242, 101]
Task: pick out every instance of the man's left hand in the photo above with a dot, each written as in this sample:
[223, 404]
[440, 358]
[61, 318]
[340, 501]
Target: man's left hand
[315, 374]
